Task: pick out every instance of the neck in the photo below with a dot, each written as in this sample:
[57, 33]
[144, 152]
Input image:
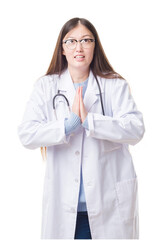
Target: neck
[79, 76]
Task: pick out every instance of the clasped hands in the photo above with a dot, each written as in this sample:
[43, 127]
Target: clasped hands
[78, 106]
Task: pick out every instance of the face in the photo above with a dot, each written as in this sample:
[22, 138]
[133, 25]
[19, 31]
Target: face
[79, 58]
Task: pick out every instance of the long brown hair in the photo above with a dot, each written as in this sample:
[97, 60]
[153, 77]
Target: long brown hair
[100, 65]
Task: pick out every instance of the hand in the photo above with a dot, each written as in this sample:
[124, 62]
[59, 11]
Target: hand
[78, 106]
[76, 103]
[83, 112]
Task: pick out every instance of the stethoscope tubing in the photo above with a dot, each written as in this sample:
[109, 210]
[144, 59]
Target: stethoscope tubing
[102, 106]
[62, 95]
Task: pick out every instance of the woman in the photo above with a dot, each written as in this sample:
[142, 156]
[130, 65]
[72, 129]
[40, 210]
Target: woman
[90, 186]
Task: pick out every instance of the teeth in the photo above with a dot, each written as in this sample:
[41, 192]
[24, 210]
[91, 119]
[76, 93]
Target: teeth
[79, 56]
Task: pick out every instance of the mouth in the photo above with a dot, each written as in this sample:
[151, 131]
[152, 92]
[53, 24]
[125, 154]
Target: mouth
[79, 56]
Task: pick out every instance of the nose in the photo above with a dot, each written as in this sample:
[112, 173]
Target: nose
[79, 47]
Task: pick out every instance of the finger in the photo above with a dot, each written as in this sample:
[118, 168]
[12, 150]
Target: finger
[77, 93]
[75, 106]
[81, 98]
[83, 111]
[77, 96]
[81, 91]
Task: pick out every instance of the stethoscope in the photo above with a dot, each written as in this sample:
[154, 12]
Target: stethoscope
[68, 105]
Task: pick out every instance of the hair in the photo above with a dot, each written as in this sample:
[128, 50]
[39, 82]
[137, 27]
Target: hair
[100, 65]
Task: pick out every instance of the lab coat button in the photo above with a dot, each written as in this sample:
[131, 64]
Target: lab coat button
[76, 180]
[77, 153]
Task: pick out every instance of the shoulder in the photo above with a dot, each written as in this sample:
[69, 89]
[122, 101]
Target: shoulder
[46, 81]
[45, 86]
[112, 83]
[115, 80]
[116, 83]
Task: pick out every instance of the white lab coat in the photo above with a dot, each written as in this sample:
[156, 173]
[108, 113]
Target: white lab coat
[109, 178]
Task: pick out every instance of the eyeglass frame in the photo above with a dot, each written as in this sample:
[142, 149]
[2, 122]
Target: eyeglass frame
[92, 40]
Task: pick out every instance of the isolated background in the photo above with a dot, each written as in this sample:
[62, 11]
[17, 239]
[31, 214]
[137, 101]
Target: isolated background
[131, 34]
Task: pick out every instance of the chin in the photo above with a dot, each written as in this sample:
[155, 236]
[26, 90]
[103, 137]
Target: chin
[82, 67]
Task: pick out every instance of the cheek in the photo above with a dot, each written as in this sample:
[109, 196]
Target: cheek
[68, 56]
[90, 55]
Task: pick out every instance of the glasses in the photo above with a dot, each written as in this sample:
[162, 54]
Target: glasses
[72, 43]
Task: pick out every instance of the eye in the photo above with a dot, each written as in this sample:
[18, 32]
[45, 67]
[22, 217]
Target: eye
[86, 40]
[70, 41]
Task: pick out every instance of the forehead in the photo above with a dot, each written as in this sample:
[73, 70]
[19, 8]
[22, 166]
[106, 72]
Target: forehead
[78, 32]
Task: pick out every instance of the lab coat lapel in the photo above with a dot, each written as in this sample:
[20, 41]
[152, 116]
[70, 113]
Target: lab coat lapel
[66, 87]
[92, 92]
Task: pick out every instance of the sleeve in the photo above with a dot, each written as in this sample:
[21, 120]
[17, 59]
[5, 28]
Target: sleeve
[126, 124]
[35, 131]
[85, 124]
[72, 123]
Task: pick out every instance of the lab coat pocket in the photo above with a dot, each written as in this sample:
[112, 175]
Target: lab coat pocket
[127, 199]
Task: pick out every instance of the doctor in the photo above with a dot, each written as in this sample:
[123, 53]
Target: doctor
[90, 188]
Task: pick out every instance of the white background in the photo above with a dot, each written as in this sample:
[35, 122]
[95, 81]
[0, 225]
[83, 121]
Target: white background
[131, 34]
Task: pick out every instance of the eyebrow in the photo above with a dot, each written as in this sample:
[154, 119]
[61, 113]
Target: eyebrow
[87, 35]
